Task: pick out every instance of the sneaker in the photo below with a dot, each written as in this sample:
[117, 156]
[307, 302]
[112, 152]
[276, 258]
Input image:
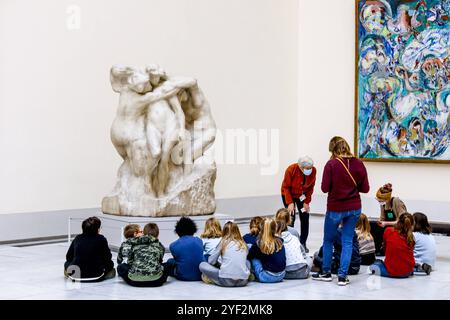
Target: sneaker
[427, 268]
[343, 281]
[322, 276]
[206, 279]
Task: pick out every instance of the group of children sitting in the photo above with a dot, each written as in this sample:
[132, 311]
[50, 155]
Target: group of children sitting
[269, 253]
[409, 248]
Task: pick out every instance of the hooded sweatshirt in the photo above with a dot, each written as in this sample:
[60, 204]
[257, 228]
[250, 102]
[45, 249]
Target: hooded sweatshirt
[294, 255]
[145, 259]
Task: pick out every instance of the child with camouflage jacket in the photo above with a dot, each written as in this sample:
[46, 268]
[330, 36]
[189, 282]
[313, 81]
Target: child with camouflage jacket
[145, 256]
[131, 231]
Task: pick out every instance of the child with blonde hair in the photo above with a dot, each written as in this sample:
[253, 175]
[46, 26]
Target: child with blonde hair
[231, 254]
[255, 227]
[297, 266]
[284, 215]
[211, 236]
[268, 255]
[365, 240]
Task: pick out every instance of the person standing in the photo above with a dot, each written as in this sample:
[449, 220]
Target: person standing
[297, 189]
[344, 177]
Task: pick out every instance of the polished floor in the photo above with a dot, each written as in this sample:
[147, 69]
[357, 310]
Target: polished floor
[35, 272]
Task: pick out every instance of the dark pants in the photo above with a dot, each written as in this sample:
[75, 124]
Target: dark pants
[304, 219]
[367, 259]
[123, 268]
[318, 262]
[70, 271]
[171, 266]
[377, 234]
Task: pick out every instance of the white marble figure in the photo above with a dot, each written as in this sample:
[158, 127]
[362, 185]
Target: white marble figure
[162, 129]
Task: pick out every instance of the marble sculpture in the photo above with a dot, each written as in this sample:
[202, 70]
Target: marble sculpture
[163, 131]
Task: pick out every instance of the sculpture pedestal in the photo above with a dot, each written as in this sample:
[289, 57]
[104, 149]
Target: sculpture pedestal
[112, 226]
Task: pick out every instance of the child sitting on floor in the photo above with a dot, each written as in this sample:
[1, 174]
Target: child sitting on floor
[398, 242]
[89, 257]
[231, 255]
[130, 231]
[365, 240]
[297, 266]
[144, 267]
[268, 255]
[284, 215]
[255, 227]
[211, 236]
[355, 260]
[187, 252]
[425, 245]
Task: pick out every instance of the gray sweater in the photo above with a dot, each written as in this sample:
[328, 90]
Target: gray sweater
[424, 248]
[233, 261]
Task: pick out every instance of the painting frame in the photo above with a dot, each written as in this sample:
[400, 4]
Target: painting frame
[356, 108]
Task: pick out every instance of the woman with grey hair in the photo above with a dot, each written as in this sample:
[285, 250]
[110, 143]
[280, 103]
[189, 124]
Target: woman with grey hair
[297, 189]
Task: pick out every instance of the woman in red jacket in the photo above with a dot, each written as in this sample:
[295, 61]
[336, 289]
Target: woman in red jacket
[344, 177]
[297, 189]
[398, 242]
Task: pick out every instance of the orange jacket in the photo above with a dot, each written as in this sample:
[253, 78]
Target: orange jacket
[292, 186]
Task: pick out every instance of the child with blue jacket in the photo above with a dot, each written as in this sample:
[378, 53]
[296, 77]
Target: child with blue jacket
[187, 252]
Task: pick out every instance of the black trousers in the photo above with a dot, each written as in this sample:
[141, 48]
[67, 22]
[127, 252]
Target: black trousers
[304, 219]
[107, 274]
[367, 259]
[318, 261]
[123, 268]
[377, 234]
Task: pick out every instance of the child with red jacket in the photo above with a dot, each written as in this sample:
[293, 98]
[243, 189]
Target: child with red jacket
[399, 250]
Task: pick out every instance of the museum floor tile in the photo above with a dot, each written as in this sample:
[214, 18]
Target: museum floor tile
[36, 272]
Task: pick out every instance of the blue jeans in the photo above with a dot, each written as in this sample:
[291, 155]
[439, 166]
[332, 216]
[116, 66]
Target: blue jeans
[266, 276]
[379, 268]
[332, 221]
[171, 266]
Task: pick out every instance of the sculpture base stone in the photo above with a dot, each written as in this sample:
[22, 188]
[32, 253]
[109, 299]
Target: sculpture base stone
[112, 226]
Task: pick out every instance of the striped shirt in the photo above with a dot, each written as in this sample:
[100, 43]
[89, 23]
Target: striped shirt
[366, 245]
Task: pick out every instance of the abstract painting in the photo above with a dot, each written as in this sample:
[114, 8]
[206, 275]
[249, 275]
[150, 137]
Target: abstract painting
[402, 98]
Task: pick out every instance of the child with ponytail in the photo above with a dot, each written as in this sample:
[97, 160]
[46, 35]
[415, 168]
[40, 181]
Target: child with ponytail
[255, 226]
[365, 241]
[399, 245]
[231, 254]
[268, 255]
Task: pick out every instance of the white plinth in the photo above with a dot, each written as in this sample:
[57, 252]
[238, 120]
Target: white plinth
[112, 226]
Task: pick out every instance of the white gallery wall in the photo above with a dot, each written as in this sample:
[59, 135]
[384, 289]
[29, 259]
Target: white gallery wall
[326, 108]
[57, 105]
[266, 66]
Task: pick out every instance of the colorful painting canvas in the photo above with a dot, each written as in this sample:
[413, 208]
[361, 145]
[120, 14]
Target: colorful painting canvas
[403, 80]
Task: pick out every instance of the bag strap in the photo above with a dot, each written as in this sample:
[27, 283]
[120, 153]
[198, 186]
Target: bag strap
[348, 171]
